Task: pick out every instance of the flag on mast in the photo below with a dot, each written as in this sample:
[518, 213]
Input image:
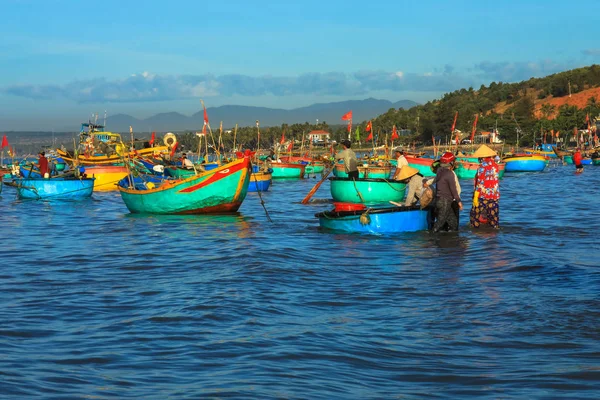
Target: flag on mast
[394, 133]
[357, 134]
[347, 116]
[4, 142]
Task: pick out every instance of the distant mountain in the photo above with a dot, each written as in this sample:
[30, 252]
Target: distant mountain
[247, 116]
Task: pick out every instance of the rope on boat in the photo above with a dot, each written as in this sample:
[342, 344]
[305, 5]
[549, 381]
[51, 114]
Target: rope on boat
[388, 182]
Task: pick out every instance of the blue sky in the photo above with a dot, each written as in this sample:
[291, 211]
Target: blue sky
[62, 60]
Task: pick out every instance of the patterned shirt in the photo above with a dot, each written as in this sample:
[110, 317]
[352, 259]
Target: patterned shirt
[486, 180]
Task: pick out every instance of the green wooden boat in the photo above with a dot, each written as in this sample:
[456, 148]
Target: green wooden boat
[288, 170]
[595, 161]
[468, 170]
[368, 172]
[373, 191]
[568, 159]
[315, 168]
[422, 164]
[220, 190]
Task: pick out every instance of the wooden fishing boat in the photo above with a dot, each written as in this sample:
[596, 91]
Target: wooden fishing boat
[546, 150]
[53, 188]
[468, 170]
[568, 159]
[423, 164]
[100, 147]
[221, 190]
[315, 167]
[560, 153]
[107, 176]
[595, 161]
[287, 170]
[525, 163]
[260, 181]
[383, 220]
[373, 191]
[365, 172]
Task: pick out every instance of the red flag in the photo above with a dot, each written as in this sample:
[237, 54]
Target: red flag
[4, 142]
[454, 123]
[370, 137]
[282, 141]
[474, 127]
[290, 146]
[369, 126]
[205, 116]
[347, 116]
[173, 149]
[152, 138]
[394, 133]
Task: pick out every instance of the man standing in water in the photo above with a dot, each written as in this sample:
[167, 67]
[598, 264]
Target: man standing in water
[43, 164]
[447, 192]
[350, 162]
[577, 160]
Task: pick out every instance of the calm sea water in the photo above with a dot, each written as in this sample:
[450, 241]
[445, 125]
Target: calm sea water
[99, 303]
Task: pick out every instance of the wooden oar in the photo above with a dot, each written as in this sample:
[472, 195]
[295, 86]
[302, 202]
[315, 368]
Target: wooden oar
[316, 187]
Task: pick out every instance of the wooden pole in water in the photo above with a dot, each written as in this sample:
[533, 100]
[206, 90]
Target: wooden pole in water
[234, 135]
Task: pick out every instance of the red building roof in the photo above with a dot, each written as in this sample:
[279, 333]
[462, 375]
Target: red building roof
[318, 133]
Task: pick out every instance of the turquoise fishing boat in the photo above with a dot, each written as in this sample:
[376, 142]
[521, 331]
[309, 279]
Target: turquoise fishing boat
[468, 170]
[288, 170]
[367, 191]
[314, 168]
[423, 164]
[568, 159]
[384, 220]
[365, 172]
[220, 190]
[54, 188]
[525, 163]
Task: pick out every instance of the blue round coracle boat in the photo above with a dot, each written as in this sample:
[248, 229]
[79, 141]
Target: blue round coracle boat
[525, 163]
[384, 220]
[54, 188]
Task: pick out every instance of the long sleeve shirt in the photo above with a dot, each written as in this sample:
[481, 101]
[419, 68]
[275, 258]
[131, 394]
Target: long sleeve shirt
[350, 161]
[447, 185]
[415, 186]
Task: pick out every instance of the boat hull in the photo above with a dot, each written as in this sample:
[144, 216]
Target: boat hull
[283, 171]
[373, 191]
[525, 164]
[368, 172]
[422, 164]
[221, 190]
[468, 170]
[380, 220]
[259, 182]
[114, 159]
[107, 176]
[54, 188]
[568, 159]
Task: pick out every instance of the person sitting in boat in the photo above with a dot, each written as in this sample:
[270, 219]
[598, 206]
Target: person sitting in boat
[448, 203]
[485, 208]
[185, 162]
[349, 158]
[43, 165]
[577, 160]
[400, 162]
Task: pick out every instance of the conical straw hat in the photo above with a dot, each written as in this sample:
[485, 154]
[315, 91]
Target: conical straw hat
[484, 151]
[407, 172]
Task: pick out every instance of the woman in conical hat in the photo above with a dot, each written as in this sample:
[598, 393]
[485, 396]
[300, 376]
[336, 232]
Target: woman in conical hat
[486, 195]
[414, 181]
